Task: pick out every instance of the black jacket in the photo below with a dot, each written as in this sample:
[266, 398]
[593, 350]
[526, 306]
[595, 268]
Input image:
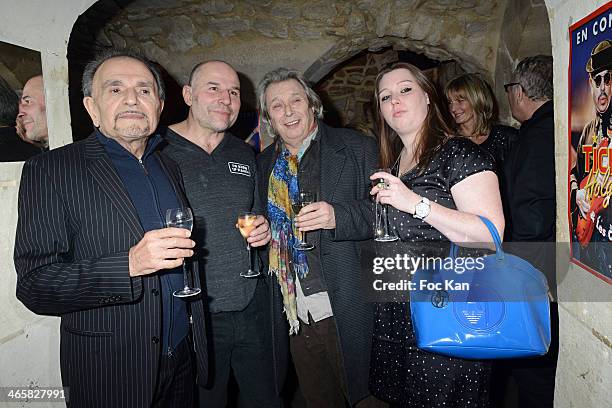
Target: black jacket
[13, 149]
[76, 225]
[530, 189]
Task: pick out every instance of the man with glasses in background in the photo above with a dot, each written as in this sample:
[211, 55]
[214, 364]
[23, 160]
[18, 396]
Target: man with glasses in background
[531, 213]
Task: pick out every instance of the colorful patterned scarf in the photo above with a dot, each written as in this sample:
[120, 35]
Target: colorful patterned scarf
[285, 261]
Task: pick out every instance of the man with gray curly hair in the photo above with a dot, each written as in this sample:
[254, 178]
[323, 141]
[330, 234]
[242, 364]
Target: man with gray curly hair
[530, 165]
[317, 276]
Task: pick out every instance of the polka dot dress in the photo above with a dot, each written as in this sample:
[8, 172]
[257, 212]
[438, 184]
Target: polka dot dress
[400, 373]
[499, 142]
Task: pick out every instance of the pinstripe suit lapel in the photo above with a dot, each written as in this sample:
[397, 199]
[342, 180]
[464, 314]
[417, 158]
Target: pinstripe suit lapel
[332, 162]
[103, 172]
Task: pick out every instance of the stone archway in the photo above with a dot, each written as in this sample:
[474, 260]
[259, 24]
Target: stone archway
[312, 36]
[315, 36]
[488, 37]
[414, 29]
[348, 90]
[345, 50]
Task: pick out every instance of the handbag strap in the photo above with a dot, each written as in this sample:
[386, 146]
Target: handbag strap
[494, 234]
[496, 239]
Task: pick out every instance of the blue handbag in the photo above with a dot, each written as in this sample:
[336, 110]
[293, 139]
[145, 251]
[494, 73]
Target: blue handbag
[503, 312]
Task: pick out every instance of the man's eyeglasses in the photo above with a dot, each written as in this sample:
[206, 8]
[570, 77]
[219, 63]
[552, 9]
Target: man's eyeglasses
[508, 85]
[597, 79]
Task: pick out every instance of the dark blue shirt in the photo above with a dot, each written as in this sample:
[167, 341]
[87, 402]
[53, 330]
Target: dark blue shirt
[152, 193]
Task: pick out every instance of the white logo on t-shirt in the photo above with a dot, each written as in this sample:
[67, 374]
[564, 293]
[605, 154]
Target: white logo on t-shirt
[239, 168]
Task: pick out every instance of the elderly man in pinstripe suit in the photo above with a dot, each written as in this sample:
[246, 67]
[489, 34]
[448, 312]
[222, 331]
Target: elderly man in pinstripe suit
[91, 248]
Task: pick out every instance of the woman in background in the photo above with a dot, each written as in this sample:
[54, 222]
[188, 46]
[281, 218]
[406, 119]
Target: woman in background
[473, 107]
[439, 187]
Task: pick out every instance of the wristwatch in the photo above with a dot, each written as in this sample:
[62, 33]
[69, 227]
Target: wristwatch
[422, 209]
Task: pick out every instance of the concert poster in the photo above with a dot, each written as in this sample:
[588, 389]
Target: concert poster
[590, 148]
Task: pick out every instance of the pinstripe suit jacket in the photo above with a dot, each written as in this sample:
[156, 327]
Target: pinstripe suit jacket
[348, 159]
[76, 225]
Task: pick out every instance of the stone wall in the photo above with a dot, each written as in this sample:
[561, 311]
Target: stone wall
[347, 93]
[313, 36]
[317, 36]
[18, 64]
[525, 31]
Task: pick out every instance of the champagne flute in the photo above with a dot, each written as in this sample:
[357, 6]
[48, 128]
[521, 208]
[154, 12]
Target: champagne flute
[246, 224]
[382, 231]
[182, 218]
[304, 198]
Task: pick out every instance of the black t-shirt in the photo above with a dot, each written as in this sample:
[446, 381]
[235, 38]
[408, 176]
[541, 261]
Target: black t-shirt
[498, 144]
[455, 160]
[219, 186]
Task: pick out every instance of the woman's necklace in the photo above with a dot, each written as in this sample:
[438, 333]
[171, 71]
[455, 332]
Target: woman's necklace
[404, 165]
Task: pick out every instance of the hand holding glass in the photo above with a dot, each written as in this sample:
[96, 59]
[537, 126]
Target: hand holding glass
[246, 224]
[382, 231]
[304, 198]
[182, 218]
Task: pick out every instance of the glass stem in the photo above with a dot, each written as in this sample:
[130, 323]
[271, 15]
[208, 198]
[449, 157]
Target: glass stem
[185, 276]
[385, 220]
[250, 256]
[376, 217]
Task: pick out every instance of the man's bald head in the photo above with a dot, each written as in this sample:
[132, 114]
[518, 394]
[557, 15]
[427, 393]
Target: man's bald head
[33, 110]
[213, 96]
[203, 65]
